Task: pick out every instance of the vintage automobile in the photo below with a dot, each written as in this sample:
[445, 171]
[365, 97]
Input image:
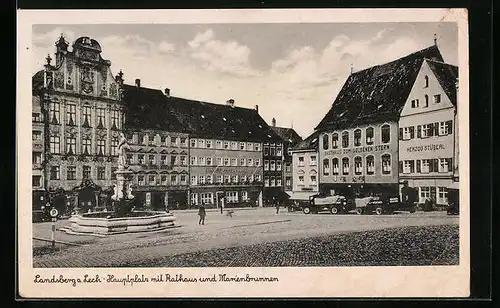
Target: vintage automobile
[333, 204]
[378, 204]
[453, 202]
[41, 215]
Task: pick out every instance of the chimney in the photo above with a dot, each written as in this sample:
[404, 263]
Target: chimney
[273, 121]
[167, 92]
[257, 108]
[230, 102]
[138, 83]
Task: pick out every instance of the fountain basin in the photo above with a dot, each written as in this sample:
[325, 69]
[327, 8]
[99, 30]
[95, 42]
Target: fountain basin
[105, 223]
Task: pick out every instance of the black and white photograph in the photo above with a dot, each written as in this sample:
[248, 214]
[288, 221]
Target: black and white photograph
[243, 144]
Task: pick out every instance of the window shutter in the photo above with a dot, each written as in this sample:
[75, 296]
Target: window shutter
[400, 167]
[450, 164]
[400, 134]
[436, 129]
[430, 131]
[419, 168]
[412, 132]
[433, 192]
[419, 131]
[449, 128]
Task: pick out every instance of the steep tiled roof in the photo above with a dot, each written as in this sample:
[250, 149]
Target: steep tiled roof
[310, 143]
[146, 109]
[287, 134]
[447, 75]
[37, 82]
[151, 109]
[376, 94]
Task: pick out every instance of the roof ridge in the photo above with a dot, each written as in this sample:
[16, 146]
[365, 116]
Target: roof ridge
[190, 99]
[441, 62]
[397, 59]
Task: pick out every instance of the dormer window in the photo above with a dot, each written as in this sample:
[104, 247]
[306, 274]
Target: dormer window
[426, 81]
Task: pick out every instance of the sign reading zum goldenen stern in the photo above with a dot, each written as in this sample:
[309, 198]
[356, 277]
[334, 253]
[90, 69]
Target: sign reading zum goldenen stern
[367, 149]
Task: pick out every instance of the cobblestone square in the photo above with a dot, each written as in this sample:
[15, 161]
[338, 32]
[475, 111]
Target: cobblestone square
[246, 238]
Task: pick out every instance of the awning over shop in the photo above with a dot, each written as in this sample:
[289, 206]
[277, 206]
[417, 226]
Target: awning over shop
[300, 195]
[274, 192]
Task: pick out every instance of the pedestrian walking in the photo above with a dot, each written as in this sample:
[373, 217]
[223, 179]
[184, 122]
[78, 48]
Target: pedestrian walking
[202, 213]
[277, 204]
[222, 204]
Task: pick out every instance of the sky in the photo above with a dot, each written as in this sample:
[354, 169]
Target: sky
[292, 71]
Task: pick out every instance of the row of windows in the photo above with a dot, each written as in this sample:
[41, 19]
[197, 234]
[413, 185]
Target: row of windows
[272, 181]
[273, 165]
[162, 180]
[224, 161]
[273, 150]
[208, 197]
[426, 192]
[426, 165]
[426, 130]
[152, 159]
[86, 118]
[55, 172]
[385, 137]
[312, 161]
[313, 180]
[161, 140]
[86, 146]
[227, 145]
[343, 166]
[224, 179]
[415, 103]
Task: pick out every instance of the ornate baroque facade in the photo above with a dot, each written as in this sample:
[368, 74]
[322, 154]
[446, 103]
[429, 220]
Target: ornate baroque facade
[82, 112]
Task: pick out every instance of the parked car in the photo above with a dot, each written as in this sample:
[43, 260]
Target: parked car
[333, 204]
[453, 202]
[41, 215]
[379, 204]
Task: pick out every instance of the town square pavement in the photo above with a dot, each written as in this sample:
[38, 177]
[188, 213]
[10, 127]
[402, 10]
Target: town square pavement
[245, 227]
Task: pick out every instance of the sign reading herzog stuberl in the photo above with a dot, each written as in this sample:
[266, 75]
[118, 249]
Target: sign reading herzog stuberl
[426, 148]
[367, 149]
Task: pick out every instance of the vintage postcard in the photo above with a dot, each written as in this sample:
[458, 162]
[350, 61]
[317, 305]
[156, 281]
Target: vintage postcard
[243, 153]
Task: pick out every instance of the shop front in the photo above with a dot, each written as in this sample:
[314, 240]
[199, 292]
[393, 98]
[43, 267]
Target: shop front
[358, 190]
[215, 196]
[160, 199]
[435, 189]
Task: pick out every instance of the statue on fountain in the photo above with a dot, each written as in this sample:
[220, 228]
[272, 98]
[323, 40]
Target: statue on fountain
[122, 197]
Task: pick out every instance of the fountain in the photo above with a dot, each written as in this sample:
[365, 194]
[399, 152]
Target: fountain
[124, 218]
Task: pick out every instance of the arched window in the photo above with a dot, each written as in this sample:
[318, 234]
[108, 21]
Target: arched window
[335, 166]
[358, 165]
[326, 142]
[386, 133]
[370, 164]
[369, 135]
[335, 140]
[386, 164]
[357, 137]
[426, 81]
[345, 166]
[426, 100]
[345, 139]
[326, 166]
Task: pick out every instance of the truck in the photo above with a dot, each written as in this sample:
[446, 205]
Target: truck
[378, 204]
[333, 204]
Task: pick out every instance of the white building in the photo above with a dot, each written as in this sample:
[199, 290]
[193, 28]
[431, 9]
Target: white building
[428, 137]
